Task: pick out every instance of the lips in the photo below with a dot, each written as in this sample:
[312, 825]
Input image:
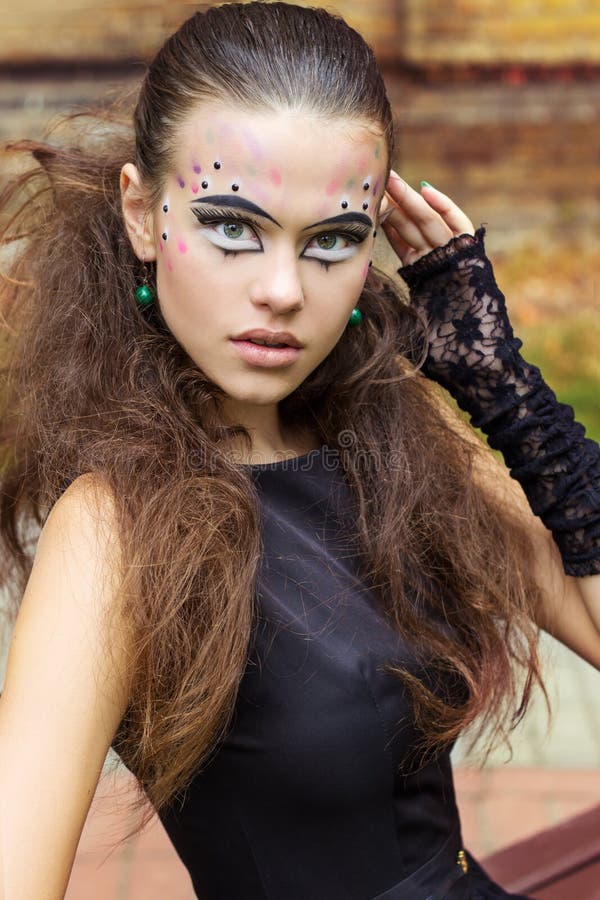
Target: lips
[271, 337]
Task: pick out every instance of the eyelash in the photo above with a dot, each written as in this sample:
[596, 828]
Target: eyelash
[210, 217]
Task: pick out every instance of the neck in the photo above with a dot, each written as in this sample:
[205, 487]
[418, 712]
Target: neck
[271, 439]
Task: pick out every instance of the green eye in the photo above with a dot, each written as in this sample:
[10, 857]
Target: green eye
[327, 241]
[233, 229]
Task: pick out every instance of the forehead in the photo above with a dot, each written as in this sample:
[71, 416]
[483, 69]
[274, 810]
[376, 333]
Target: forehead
[281, 153]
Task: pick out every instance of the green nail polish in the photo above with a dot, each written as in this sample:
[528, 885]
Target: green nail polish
[426, 184]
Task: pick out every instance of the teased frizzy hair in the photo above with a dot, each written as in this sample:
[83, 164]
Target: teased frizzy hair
[93, 385]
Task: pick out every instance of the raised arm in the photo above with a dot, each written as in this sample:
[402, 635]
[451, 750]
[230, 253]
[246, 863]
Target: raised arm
[474, 354]
[65, 693]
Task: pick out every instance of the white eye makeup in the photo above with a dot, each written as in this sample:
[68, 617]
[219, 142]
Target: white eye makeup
[332, 246]
[232, 235]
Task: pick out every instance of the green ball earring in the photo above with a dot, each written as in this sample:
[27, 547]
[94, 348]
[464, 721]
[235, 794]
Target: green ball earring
[355, 317]
[143, 295]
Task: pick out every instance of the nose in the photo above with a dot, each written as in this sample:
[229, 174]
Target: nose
[279, 285]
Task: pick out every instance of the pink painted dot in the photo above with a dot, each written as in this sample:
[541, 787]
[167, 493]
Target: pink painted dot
[376, 187]
[160, 244]
[365, 271]
[195, 187]
[169, 265]
[182, 246]
[275, 177]
[333, 187]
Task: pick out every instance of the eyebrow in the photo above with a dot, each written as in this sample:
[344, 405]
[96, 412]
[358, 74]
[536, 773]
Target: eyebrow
[226, 200]
[343, 217]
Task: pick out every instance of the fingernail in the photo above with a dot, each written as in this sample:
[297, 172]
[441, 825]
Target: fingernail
[426, 184]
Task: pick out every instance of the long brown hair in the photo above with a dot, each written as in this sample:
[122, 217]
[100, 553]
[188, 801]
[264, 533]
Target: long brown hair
[94, 385]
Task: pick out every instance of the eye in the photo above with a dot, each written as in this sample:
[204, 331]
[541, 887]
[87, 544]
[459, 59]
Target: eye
[229, 234]
[233, 229]
[332, 246]
[328, 241]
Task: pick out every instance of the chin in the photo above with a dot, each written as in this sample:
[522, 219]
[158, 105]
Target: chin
[269, 388]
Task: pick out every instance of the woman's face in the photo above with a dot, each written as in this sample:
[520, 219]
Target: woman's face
[267, 222]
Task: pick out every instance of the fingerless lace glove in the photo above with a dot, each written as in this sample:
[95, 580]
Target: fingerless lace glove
[474, 354]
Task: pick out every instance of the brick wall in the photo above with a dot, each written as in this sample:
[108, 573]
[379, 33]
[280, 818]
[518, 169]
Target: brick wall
[35, 31]
[416, 31]
[523, 158]
[488, 31]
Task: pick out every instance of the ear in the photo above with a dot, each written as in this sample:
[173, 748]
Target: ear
[138, 221]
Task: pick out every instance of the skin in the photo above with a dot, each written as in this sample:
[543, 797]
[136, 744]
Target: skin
[299, 170]
[416, 225]
[51, 686]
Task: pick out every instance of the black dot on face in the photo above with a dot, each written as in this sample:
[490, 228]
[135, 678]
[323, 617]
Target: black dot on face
[366, 186]
[164, 235]
[165, 208]
[371, 263]
[217, 164]
[344, 204]
[374, 234]
[205, 184]
[235, 187]
[365, 205]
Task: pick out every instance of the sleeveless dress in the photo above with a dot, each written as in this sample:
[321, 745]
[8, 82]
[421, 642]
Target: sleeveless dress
[304, 799]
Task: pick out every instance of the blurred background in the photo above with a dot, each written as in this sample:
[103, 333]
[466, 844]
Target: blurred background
[498, 105]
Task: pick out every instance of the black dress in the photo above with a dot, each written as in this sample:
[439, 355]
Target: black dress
[304, 799]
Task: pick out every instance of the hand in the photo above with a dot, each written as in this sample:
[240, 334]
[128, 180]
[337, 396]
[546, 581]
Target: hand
[415, 223]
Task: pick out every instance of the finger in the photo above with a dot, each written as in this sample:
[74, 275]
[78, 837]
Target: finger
[415, 208]
[452, 215]
[398, 221]
[449, 212]
[398, 245]
[404, 251]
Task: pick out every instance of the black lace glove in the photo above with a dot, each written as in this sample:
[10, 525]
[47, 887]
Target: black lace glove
[474, 354]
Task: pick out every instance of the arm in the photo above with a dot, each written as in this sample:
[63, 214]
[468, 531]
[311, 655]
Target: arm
[567, 613]
[473, 353]
[64, 696]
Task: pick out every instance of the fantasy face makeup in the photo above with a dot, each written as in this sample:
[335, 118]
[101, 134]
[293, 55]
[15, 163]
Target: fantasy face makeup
[276, 235]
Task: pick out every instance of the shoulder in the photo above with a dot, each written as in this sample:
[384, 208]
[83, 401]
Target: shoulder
[70, 615]
[82, 527]
[66, 688]
[79, 557]
[88, 495]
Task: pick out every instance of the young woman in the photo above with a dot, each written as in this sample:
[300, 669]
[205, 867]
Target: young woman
[278, 580]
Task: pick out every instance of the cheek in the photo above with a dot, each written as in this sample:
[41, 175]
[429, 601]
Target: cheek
[344, 279]
[178, 280]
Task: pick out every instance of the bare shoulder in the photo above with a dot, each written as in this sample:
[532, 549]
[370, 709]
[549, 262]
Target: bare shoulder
[65, 692]
[86, 504]
[79, 544]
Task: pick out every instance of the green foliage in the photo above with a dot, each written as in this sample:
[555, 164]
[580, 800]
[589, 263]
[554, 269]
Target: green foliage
[567, 351]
